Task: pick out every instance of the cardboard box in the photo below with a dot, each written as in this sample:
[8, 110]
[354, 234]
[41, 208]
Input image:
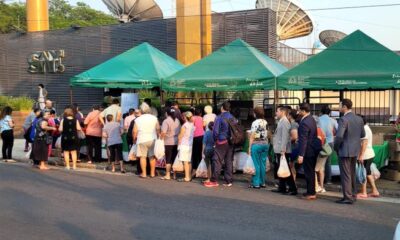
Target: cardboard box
[390, 174]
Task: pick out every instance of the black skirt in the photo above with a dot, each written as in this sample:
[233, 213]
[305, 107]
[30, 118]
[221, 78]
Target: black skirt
[40, 150]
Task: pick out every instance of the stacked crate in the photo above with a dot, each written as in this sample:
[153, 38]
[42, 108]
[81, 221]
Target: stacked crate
[392, 172]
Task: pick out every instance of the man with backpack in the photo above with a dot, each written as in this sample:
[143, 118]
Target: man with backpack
[227, 133]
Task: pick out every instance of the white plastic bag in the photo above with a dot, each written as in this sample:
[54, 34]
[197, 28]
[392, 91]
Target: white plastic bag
[240, 160]
[249, 167]
[58, 143]
[178, 165]
[132, 153]
[159, 149]
[283, 171]
[28, 154]
[267, 165]
[202, 170]
[375, 172]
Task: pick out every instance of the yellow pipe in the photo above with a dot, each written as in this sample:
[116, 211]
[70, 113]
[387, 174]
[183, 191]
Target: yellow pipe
[37, 15]
[193, 22]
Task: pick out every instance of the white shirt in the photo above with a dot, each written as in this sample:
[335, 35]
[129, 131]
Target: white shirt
[146, 125]
[113, 109]
[369, 152]
[209, 118]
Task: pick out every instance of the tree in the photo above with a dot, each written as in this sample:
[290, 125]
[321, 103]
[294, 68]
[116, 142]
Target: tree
[61, 15]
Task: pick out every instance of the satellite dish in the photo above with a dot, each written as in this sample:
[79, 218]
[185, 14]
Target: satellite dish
[329, 37]
[134, 10]
[291, 20]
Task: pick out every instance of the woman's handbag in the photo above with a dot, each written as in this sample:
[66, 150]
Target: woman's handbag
[326, 150]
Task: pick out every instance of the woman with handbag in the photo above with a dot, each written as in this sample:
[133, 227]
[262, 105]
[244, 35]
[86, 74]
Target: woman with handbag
[321, 160]
[367, 156]
[42, 140]
[258, 148]
[69, 128]
[7, 133]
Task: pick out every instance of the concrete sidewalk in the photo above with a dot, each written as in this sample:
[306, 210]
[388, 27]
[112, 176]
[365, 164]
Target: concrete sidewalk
[386, 188]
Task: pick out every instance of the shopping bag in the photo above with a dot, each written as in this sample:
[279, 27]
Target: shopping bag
[249, 167]
[29, 153]
[81, 135]
[326, 150]
[178, 165]
[159, 149]
[283, 170]
[132, 153]
[375, 172]
[361, 173]
[58, 143]
[161, 163]
[267, 165]
[202, 171]
[239, 160]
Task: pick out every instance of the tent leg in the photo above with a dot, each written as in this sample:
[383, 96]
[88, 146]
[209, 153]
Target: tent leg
[307, 99]
[70, 96]
[341, 95]
[215, 100]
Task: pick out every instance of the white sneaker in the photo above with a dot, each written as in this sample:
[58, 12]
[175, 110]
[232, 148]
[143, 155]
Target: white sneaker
[323, 190]
[319, 189]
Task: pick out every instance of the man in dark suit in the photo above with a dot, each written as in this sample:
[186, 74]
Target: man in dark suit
[347, 145]
[309, 148]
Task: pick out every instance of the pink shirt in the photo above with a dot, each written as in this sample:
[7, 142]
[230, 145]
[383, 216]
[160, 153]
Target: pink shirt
[94, 127]
[128, 121]
[198, 124]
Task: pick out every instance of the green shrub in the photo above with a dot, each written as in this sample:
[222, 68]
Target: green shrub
[17, 103]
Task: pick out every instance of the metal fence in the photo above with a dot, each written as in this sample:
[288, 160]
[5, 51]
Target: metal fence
[378, 107]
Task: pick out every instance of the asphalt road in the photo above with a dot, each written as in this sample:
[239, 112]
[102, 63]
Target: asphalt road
[80, 205]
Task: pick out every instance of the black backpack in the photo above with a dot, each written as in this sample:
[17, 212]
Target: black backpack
[237, 132]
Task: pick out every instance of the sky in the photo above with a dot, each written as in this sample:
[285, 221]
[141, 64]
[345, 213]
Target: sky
[381, 23]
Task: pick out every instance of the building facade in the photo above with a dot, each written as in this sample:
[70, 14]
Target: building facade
[84, 48]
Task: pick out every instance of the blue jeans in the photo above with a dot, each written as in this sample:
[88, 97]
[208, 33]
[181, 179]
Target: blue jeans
[259, 154]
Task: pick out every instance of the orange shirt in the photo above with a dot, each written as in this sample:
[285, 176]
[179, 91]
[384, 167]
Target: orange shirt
[321, 135]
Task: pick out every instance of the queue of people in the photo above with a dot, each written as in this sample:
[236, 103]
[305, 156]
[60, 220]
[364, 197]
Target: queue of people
[299, 140]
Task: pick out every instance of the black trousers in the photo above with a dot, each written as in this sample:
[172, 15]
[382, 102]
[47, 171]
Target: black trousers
[8, 143]
[115, 153]
[309, 173]
[94, 148]
[197, 151]
[289, 181]
[223, 153]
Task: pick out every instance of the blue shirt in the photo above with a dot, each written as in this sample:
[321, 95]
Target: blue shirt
[208, 141]
[5, 124]
[327, 124]
[221, 130]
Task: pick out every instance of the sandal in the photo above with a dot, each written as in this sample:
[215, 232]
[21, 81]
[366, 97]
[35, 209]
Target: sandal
[142, 177]
[165, 179]
[374, 195]
[123, 171]
[362, 196]
[183, 180]
[251, 186]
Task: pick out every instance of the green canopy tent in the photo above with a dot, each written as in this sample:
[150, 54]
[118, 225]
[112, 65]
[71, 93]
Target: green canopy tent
[235, 67]
[357, 62]
[141, 67]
